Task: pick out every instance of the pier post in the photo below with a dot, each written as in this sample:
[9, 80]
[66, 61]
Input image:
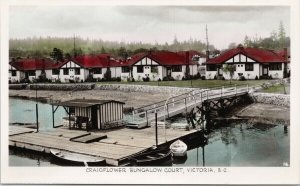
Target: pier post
[156, 135]
[206, 94]
[221, 91]
[200, 96]
[235, 89]
[147, 117]
[37, 117]
[53, 116]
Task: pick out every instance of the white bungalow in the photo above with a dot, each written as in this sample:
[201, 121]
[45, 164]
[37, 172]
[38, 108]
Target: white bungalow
[31, 69]
[251, 63]
[157, 65]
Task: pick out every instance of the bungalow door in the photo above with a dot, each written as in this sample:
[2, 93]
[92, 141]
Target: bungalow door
[265, 70]
[169, 71]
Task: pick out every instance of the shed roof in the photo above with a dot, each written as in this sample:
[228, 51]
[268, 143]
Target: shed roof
[84, 102]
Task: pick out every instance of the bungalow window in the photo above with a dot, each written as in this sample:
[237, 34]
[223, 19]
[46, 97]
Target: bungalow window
[248, 67]
[154, 69]
[55, 71]
[275, 66]
[66, 71]
[125, 69]
[177, 68]
[211, 68]
[13, 73]
[31, 73]
[77, 71]
[97, 70]
[140, 69]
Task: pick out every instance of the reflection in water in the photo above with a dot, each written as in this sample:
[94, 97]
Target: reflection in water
[243, 144]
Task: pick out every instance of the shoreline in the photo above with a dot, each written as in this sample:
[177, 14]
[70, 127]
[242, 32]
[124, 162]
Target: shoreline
[131, 99]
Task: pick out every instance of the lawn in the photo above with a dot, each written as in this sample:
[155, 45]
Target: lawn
[276, 89]
[193, 83]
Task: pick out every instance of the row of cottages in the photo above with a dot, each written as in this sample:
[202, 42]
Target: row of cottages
[154, 65]
[251, 63]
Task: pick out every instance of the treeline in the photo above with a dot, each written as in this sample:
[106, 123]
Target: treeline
[42, 47]
[276, 41]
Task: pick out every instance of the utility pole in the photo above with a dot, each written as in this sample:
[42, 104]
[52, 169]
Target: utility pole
[74, 47]
[207, 44]
[206, 38]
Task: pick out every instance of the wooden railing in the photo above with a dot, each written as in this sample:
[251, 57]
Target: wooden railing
[185, 100]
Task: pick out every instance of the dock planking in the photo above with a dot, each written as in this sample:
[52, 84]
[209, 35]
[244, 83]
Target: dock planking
[16, 130]
[119, 145]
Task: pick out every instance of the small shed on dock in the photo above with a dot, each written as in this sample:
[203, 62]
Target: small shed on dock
[95, 114]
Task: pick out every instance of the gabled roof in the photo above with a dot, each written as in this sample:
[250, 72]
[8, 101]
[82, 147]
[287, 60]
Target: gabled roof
[163, 58]
[34, 64]
[281, 53]
[259, 55]
[95, 61]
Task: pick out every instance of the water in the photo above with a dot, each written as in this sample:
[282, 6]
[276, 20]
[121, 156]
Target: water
[243, 145]
[235, 145]
[24, 111]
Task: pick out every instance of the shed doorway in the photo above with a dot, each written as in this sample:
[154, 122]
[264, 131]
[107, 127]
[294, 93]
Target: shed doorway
[94, 117]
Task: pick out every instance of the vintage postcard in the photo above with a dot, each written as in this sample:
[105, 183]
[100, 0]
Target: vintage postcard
[133, 92]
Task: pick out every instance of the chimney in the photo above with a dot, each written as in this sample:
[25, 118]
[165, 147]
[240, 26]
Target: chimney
[187, 57]
[285, 54]
[207, 55]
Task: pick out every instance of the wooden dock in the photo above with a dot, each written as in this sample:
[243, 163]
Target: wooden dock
[141, 117]
[119, 145]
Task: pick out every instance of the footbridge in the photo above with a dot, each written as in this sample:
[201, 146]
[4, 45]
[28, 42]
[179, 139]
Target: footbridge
[174, 105]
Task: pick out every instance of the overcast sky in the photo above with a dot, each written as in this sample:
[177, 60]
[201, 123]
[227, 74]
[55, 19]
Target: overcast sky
[149, 23]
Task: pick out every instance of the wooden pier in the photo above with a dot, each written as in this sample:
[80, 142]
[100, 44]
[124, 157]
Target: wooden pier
[143, 116]
[119, 145]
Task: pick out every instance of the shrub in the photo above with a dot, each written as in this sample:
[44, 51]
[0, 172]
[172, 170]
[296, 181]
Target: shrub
[242, 78]
[183, 78]
[159, 79]
[81, 81]
[223, 78]
[198, 76]
[118, 79]
[133, 80]
[146, 79]
[270, 77]
[215, 77]
[168, 78]
[203, 77]
[256, 78]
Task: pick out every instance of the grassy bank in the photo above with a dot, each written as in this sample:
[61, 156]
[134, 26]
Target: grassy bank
[193, 83]
[280, 89]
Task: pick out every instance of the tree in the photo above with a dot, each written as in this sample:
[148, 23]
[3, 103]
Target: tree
[247, 41]
[57, 54]
[229, 69]
[281, 35]
[232, 45]
[103, 50]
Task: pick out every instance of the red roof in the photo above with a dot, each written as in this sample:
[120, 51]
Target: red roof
[163, 58]
[90, 61]
[259, 55]
[34, 64]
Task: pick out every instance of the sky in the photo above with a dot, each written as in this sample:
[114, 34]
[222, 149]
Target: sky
[151, 24]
